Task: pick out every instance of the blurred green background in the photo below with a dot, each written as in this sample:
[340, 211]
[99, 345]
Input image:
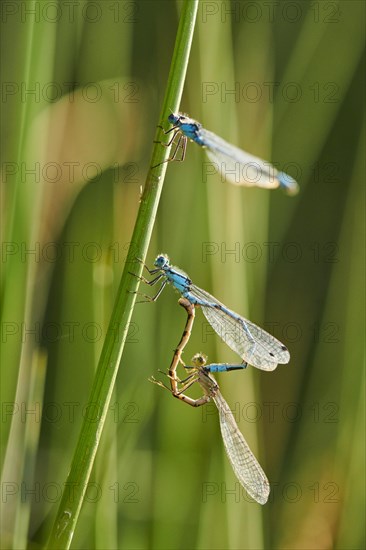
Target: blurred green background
[82, 87]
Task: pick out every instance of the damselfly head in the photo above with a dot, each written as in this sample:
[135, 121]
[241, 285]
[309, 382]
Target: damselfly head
[188, 126]
[177, 119]
[174, 118]
[161, 261]
[199, 359]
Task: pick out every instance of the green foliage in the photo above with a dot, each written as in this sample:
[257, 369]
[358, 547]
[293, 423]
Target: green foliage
[281, 80]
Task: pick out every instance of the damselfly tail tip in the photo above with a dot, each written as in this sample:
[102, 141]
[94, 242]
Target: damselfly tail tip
[288, 183]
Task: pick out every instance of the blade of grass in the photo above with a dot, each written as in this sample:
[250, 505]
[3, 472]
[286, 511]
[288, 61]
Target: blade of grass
[76, 483]
[31, 439]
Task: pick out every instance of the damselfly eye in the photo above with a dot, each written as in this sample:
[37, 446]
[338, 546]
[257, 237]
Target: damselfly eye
[173, 118]
[161, 261]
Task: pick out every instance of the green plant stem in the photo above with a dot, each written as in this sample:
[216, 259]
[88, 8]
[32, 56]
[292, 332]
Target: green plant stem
[76, 483]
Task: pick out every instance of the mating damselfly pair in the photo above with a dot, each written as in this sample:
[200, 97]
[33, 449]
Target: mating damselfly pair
[254, 345]
[234, 164]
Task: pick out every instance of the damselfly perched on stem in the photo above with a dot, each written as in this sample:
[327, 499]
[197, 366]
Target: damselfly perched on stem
[253, 344]
[234, 164]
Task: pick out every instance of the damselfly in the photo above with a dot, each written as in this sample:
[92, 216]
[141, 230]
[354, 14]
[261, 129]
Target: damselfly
[236, 166]
[253, 344]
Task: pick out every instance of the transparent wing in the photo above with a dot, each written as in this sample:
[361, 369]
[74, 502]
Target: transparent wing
[253, 344]
[237, 166]
[245, 465]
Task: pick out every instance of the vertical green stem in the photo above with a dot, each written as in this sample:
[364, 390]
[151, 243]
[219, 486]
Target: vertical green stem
[76, 483]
